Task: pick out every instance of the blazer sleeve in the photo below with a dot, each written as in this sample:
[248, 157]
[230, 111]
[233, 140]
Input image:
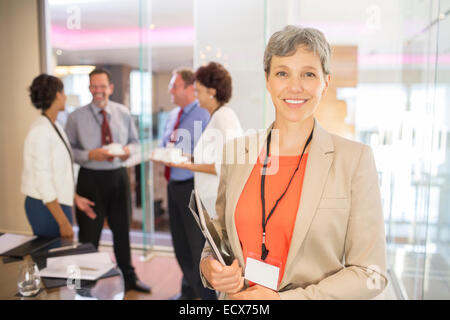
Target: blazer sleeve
[42, 165]
[364, 273]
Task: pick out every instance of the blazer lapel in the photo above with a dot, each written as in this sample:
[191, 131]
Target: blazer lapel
[320, 159]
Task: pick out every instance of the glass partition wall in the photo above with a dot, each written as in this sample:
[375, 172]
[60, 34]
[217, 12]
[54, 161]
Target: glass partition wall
[436, 270]
[411, 145]
[116, 35]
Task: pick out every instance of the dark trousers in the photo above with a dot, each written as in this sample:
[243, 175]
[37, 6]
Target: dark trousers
[188, 240]
[110, 191]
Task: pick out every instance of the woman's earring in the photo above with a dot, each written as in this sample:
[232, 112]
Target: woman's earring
[211, 97]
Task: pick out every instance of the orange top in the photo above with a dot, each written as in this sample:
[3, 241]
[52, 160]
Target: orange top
[279, 228]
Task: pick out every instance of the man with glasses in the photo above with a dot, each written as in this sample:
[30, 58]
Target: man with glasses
[102, 175]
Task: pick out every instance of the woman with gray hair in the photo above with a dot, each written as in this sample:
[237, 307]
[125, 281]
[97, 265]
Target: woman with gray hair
[303, 214]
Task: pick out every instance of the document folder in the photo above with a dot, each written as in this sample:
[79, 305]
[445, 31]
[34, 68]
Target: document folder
[30, 247]
[221, 247]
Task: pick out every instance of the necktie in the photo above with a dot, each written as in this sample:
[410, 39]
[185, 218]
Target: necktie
[173, 139]
[106, 130]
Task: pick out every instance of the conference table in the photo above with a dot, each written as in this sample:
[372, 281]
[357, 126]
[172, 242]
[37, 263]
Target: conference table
[109, 288]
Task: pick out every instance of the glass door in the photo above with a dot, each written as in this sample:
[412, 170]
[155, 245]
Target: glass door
[115, 35]
[436, 273]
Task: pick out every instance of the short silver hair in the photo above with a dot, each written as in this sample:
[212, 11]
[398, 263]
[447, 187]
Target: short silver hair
[284, 43]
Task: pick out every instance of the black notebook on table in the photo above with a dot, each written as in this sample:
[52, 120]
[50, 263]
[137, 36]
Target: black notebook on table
[30, 247]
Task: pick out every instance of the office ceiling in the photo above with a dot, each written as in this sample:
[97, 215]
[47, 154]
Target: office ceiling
[106, 31]
[81, 30]
[99, 14]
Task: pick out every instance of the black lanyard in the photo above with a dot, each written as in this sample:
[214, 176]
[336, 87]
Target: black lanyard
[264, 251]
[64, 141]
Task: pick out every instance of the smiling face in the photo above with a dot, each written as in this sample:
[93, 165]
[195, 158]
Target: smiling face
[100, 89]
[176, 89]
[181, 95]
[203, 95]
[296, 84]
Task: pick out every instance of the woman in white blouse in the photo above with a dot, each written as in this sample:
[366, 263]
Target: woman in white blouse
[47, 177]
[213, 88]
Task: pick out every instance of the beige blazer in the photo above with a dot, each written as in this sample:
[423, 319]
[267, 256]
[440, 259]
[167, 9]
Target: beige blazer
[338, 248]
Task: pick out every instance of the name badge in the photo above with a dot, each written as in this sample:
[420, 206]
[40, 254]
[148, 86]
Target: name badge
[262, 273]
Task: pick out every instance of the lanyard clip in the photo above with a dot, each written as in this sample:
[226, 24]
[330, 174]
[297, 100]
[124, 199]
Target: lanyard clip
[264, 251]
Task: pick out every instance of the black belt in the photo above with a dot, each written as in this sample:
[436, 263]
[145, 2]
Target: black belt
[181, 181]
[101, 170]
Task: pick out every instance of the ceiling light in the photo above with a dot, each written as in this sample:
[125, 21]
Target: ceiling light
[64, 70]
[73, 2]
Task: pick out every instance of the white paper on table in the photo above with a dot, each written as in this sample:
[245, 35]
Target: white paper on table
[10, 241]
[88, 266]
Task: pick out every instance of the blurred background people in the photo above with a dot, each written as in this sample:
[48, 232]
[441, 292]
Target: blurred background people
[311, 212]
[187, 239]
[47, 177]
[102, 176]
[213, 89]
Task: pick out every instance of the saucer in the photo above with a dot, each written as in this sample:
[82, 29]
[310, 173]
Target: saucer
[115, 149]
[117, 152]
[181, 159]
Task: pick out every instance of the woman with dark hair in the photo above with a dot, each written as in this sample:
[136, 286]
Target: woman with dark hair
[47, 177]
[213, 88]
